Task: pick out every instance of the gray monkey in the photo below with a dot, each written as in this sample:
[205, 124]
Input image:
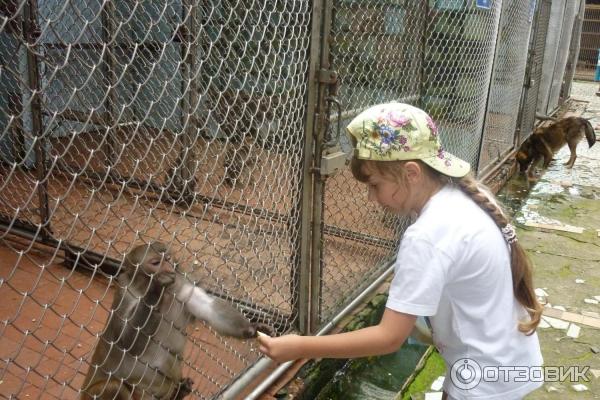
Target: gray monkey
[139, 354]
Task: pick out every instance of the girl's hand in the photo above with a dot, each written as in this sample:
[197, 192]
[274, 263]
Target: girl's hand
[281, 349]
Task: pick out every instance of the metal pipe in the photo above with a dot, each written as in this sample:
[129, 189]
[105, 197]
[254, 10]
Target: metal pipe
[318, 201]
[262, 364]
[35, 103]
[110, 101]
[486, 173]
[109, 266]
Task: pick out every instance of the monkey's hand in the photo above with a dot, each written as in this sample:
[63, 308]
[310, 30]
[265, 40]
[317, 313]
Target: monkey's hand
[252, 331]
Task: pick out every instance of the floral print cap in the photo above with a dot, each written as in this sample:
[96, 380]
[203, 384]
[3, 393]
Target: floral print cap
[397, 131]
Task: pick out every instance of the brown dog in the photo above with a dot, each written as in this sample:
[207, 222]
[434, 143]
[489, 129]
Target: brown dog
[543, 142]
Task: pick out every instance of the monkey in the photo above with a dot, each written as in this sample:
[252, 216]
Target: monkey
[238, 162]
[139, 353]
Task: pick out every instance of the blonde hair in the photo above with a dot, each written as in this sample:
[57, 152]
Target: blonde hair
[521, 266]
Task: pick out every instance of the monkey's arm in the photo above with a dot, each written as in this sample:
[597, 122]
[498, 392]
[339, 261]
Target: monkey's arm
[217, 313]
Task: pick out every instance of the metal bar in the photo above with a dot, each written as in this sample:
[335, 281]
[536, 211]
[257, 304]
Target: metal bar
[489, 91]
[96, 117]
[182, 177]
[32, 31]
[358, 237]
[109, 266]
[110, 101]
[301, 270]
[574, 50]
[491, 169]
[243, 209]
[140, 184]
[264, 363]
[316, 266]
[355, 111]
[17, 133]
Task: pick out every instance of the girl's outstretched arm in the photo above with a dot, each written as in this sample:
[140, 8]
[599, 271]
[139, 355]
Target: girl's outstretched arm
[384, 338]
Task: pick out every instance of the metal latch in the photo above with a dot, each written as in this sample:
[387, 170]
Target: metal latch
[333, 160]
[328, 76]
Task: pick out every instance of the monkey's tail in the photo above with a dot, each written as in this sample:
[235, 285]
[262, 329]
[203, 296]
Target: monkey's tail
[590, 134]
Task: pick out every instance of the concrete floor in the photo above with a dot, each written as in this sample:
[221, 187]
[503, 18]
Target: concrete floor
[566, 263]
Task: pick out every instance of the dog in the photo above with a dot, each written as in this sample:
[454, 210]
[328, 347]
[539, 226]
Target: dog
[544, 141]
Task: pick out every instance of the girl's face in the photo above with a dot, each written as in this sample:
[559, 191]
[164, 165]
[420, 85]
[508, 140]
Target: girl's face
[392, 195]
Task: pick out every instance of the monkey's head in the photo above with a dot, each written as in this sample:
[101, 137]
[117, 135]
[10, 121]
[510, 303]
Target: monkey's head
[152, 260]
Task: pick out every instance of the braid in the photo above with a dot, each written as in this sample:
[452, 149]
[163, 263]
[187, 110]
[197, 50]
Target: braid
[521, 266]
[484, 199]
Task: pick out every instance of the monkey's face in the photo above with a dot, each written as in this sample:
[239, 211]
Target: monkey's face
[154, 260]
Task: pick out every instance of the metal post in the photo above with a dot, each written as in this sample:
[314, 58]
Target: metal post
[301, 271]
[183, 177]
[489, 88]
[319, 180]
[110, 102]
[15, 109]
[31, 30]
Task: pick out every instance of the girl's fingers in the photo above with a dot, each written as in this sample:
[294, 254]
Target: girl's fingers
[263, 345]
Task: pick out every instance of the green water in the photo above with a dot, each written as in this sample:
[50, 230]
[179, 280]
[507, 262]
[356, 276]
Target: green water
[370, 378]
[557, 186]
[374, 378]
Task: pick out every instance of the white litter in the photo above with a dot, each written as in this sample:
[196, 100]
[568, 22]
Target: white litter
[559, 308]
[543, 324]
[557, 323]
[597, 298]
[552, 389]
[590, 314]
[433, 396]
[595, 373]
[591, 301]
[580, 281]
[579, 387]
[541, 292]
[437, 385]
[573, 331]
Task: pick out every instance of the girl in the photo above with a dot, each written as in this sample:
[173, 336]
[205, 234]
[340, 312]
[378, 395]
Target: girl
[459, 264]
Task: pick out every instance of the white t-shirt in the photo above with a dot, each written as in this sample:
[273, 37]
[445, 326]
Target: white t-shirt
[454, 266]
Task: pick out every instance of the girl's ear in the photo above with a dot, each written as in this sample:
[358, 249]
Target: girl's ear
[413, 171]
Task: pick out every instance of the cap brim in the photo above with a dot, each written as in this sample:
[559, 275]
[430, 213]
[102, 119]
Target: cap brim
[449, 165]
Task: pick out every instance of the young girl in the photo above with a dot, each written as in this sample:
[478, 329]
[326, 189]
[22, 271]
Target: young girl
[459, 264]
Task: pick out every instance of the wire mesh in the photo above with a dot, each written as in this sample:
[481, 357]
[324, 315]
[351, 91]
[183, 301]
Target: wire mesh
[573, 52]
[536, 61]
[179, 121]
[590, 43]
[185, 122]
[555, 26]
[507, 81]
[562, 54]
[435, 55]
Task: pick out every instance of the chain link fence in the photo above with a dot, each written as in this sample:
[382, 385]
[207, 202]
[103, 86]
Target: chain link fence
[507, 81]
[533, 76]
[202, 125]
[136, 121]
[590, 43]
